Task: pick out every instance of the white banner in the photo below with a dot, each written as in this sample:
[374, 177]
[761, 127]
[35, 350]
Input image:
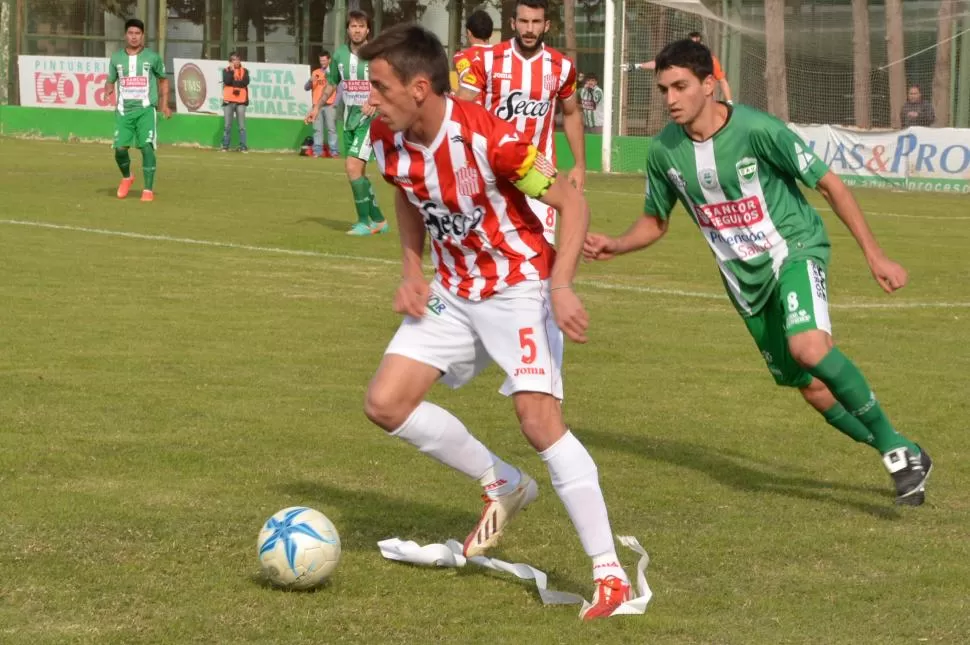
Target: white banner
[73, 82]
[275, 90]
[916, 159]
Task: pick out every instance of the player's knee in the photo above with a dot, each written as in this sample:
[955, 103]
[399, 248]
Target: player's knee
[809, 348]
[354, 168]
[384, 408]
[540, 418]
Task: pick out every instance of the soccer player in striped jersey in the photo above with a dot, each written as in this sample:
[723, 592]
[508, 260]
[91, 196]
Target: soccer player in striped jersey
[478, 31]
[521, 81]
[498, 293]
[734, 170]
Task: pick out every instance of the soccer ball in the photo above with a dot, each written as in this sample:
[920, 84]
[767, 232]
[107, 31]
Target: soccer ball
[298, 548]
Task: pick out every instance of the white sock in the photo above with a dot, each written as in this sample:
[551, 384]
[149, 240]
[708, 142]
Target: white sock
[576, 480]
[439, 434]
[500, 479]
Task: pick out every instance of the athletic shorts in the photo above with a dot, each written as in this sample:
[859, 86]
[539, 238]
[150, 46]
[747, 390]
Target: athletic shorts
[358, 141]
[798, 303]
[515, 328]
[136, 128]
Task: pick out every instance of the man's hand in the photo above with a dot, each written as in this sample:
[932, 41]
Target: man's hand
[577, 177]
[368, 110]
[570, 314]
[411, 297]
[890, 275]
[166, 111]
[311, 115]
[109, 94]
[599, 247]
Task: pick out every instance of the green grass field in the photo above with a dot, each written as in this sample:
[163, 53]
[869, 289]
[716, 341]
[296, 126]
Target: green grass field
[173, 373]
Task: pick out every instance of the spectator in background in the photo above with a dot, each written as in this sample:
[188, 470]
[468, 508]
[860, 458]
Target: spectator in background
[478, 33]
[235, 98]
[916, 110]
[326, 117]
[591, 98]
[719, 75]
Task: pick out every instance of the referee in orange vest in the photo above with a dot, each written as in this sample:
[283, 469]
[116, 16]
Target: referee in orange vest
[235, 98]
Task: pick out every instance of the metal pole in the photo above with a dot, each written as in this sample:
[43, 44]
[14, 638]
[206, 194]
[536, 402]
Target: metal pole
[305, 31]
[454, 20]
[609, 70]
[228, 41]
[963, 83]
[162, 26]
[206, 30]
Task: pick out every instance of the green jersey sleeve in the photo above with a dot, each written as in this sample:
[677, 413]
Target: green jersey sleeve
[333, 72]
[786, 151]
[158, 67]
[660, 196]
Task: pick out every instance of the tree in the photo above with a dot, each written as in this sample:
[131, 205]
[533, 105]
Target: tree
[941, 72]
[569, 28]
[861, 64]
[776, 75]
[895, 51]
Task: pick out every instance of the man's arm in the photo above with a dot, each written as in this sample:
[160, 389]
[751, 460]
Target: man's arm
[573, 225]
[572, 125]
[163, 96]
[887, 273]
[411, 230]
[320, 104]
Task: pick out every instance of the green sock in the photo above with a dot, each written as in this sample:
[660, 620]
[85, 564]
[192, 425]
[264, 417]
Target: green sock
[849, 387]
[123, 159]
[148, 165]
[376, 215]
[361, 189]
[840, 419]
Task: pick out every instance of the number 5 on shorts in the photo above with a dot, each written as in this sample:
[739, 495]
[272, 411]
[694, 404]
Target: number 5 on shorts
[528, 345]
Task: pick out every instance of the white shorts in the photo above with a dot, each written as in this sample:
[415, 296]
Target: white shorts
[548, 216]
[515, 328]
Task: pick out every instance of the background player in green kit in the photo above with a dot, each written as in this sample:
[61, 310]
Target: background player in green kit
[348, 71]
[142, 87]
[734, 170]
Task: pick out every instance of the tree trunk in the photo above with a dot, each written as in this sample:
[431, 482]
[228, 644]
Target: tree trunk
[895, 52]
[318, 16]
[861, 64]
[242, 30]
[941, 73]
[508, 14]
[569, 17]
[776, 75]
[259, 21]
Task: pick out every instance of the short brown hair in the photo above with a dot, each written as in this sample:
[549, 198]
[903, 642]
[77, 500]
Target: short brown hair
[412, 50]
[357, 14]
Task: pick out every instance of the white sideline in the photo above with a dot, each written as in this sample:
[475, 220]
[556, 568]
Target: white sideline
[595, 284]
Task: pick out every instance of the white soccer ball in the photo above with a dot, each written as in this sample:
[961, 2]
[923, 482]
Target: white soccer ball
[298, 548]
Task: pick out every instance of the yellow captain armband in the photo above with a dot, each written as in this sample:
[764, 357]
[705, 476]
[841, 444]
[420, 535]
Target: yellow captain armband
[535, 175]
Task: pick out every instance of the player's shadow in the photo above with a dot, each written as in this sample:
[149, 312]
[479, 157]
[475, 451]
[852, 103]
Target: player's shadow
[333, 224]
[742, 472]
[367, 516]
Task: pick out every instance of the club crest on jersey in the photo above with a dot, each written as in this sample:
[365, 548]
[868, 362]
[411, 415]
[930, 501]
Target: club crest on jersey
[467, 181]
[707, 177]
[677, 179]
[747, 170]
[550, 82]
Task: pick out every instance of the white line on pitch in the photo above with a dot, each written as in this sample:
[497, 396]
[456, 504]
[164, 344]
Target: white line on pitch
[595, 284]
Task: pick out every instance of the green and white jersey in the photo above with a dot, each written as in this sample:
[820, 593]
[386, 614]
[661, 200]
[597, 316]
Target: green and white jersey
[350, 74]
[739, 188]
[137, 77]
[591, 99]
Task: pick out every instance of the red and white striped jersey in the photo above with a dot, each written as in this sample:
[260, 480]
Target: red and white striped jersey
[523, 92]
[464, 58]
[484, 237]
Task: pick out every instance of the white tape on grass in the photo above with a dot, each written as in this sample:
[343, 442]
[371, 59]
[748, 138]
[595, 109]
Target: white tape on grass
[450, 555]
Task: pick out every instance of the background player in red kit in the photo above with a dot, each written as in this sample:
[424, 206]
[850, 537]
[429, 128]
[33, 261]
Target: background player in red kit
[520, 81]
[478, 31]
[498, 293]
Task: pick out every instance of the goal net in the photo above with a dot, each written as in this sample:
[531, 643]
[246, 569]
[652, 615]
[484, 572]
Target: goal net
[827, 63]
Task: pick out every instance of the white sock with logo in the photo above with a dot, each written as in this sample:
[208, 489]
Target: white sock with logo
[576, 480]
[500, 479]
[439, 434]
